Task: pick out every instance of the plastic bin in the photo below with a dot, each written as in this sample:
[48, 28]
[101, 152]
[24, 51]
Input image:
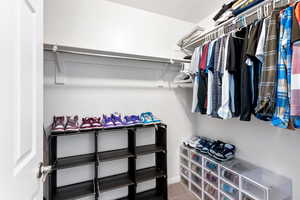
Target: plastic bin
[196, 190]
[211, 166]
[211, 178]
[184, 171]
[196, 158]
[184, 161]
[184, 181]
[230, 191]
[246, 197]
[206, 197]
[223, 197]
[196, 180]
[254, 189]
[196, 169]
[230, 176]
[211, 190]
[184, 151]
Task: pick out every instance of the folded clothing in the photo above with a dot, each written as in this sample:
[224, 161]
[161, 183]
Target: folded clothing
[226, 16]
[247, 5]
[224, 8]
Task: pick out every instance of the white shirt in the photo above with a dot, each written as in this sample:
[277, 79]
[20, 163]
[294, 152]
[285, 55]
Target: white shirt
[227, 107]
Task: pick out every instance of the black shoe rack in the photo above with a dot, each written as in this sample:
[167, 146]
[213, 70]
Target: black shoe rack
[130, 179]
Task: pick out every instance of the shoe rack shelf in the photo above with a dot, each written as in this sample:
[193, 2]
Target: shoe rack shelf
[130, 179]
[209, 179]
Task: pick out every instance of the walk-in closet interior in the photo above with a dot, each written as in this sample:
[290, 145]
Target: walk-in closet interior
[172, 99]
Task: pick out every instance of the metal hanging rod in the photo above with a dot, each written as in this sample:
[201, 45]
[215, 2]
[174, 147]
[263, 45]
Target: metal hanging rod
[107, 54]
[260, 11]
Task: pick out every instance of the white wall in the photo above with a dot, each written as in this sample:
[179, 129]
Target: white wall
[97, 85]
[107, 26]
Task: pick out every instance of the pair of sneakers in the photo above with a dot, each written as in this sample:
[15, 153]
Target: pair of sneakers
[59, 124]
[222, 151]
[219, 150]
[72, 124]
[115, 120]
[148, 118]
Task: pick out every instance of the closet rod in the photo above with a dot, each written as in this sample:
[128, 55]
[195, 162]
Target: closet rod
[107, 54]
[261, 10]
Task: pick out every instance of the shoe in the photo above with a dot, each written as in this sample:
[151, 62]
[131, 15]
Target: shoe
[183, 77]
[129, 121]
[117, 119]
[222, 151]
[96, 123]
[192, 142]
[58, 124]
[204, 145]
[72, 124]
[136, 119]
[86, 124]
[107, 122]
[226, 153]
[149, 118]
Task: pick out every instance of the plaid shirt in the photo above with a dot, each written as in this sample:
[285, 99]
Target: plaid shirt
[281, 117]
[267, 85]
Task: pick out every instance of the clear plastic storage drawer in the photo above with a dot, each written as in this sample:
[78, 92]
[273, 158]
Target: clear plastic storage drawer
[211, 190]
[254, 189]
[206, 197]
[196, 158]
[184, 171]
[210, 177]
[230, 176]
[246, 197]
[184, 181]
[223, 197]
[196, 169]
[212, 166]
[184, 151]
[196, 180]
[196, 190]
[230, 190]
[184, 161]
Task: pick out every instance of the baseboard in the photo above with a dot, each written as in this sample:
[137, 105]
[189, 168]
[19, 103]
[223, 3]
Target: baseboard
[173, 180]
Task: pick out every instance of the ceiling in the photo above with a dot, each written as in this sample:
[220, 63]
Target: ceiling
[188, 10]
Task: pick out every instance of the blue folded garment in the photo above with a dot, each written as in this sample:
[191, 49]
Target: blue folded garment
[250, 5]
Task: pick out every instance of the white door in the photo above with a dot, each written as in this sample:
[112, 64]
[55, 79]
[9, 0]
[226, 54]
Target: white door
[21, 98]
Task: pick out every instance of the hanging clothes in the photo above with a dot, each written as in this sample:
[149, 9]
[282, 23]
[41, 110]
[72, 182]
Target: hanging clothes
[202, 89]
[216, 89]
[195, 70]
[209, 71]
[253, 63]
[268, 78]
[235, 53]
[246, 93]
[227, 105]
[281, 117]
[295, 84]
[295, 77]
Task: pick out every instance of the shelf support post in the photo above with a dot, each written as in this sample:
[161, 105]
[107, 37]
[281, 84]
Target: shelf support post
[96, 184]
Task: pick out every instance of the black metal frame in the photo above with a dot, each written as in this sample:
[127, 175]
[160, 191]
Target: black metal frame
[130, 179]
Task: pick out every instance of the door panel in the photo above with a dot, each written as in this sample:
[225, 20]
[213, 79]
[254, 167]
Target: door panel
[21, 103]
[25, 87]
